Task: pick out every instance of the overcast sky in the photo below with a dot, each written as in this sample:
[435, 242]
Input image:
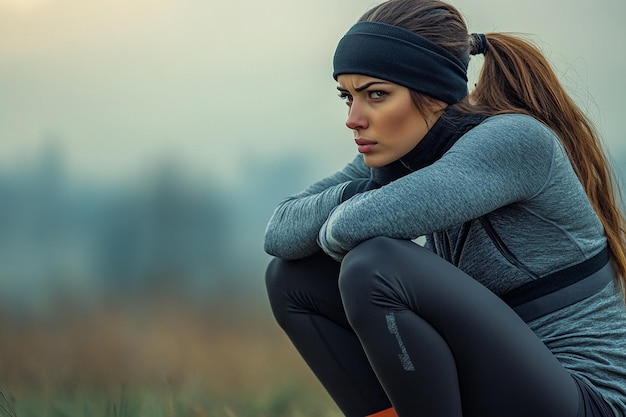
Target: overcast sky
[120, 84]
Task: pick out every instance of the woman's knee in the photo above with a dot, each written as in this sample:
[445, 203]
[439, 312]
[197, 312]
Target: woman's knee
[363, 263]
[297, 285]
[363, 283]
[285, 276]
[277, 277]
[368, 255]
[392, 274]
[274, 276]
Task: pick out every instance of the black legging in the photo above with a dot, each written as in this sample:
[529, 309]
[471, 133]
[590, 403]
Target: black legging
[396, 324]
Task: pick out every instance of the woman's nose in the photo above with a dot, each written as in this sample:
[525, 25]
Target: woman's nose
[356, 118]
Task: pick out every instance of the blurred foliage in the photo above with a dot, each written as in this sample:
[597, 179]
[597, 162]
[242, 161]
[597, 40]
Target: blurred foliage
[167, 360]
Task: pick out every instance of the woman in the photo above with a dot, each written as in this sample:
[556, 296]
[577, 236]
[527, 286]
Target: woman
[514, 307]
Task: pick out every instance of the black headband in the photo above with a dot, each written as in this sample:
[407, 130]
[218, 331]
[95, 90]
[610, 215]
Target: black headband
[402, 57]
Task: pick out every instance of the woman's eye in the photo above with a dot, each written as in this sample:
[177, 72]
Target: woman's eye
[346, 97]
[377, 94]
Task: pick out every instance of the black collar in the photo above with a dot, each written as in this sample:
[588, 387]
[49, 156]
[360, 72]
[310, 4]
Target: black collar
[445, 132]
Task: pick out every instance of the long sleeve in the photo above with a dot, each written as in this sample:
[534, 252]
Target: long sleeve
[294, 226]
[504, 160]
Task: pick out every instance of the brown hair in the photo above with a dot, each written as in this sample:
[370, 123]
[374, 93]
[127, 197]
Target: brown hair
[517, 78]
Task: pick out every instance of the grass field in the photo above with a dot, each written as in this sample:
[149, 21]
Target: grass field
[160, 359]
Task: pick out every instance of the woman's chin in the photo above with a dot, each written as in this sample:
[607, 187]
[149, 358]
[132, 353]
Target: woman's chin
[375, 162]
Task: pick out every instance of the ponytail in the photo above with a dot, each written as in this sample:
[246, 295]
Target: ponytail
[517, 78]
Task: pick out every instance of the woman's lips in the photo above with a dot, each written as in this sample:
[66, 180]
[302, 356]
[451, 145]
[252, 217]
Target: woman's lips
[365, 145]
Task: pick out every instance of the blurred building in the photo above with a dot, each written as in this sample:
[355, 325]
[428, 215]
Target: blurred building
[63, 239]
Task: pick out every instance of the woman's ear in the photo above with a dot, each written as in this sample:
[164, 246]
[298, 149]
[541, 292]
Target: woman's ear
[434, 109]
[436, 106]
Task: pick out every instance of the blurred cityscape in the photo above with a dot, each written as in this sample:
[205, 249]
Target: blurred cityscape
[72, 242]
[67, 241]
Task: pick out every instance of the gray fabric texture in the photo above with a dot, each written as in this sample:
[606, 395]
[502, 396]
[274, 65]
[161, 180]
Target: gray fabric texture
[513, 169]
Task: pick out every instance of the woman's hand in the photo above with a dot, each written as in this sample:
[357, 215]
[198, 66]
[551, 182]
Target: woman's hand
[378, 178]
[329, 245]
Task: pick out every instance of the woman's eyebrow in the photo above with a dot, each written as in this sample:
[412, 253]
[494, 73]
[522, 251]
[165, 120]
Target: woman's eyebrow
[364, 86]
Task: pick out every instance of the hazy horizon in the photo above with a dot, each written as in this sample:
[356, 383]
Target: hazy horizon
[122, 85]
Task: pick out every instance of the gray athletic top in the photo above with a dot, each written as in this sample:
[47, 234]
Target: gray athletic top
[513, 169]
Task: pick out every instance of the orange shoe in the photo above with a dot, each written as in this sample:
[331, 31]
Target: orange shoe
[390, 412]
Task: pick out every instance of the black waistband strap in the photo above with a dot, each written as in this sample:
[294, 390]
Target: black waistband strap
[566, 296]
[562, 288]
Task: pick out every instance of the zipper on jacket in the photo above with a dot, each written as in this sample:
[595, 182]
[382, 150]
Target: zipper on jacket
[503, 249]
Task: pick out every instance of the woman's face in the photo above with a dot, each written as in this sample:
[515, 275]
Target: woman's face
[383, 117]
